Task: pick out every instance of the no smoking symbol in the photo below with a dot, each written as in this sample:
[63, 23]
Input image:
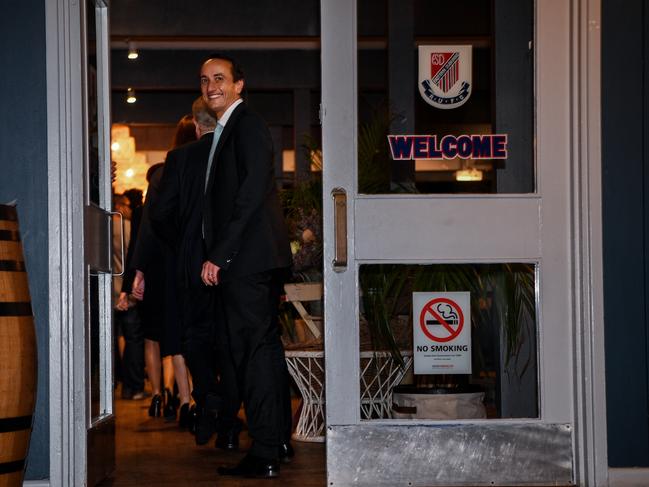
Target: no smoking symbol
[441, 320]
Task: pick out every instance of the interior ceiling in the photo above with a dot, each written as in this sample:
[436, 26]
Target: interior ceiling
[278, 53]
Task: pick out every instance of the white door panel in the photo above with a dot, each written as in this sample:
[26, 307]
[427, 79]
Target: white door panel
[458, 229]
[437, 229]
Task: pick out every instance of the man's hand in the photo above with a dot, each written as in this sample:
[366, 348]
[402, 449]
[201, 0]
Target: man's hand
[122, 302]
[210, 273]
[137, 290]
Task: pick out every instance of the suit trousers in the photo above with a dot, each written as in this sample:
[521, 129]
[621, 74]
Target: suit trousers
[132, 369]
[256, 372]
[198, 340]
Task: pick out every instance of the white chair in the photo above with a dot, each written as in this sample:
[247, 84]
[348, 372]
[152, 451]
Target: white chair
[296, 293]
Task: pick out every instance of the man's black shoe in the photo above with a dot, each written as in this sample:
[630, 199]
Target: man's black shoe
[206, 419]
[228, 440]
[193, 419]
[205, 426]
[286, 452]
[254, 467]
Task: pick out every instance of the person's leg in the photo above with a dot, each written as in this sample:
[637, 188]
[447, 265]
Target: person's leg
[250, 306]
[182, 378]
[198, 340]
[121, 345]
[133, 357]
[197, 313]
[153, 366]
[168, 379]
[182, 381]
[118, 348]
[168, 372]
[229, 424]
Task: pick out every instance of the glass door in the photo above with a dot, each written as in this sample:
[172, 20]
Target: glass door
[100, 422]
[446, 148]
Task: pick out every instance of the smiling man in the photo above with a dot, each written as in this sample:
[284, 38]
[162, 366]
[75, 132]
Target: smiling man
[247, 252]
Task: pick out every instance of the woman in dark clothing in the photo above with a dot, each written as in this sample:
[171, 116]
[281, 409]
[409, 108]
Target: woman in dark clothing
[160, 314]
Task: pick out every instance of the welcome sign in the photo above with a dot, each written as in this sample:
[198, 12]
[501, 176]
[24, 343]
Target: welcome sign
[407, 147]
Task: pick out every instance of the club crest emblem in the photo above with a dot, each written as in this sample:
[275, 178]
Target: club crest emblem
[445, 75]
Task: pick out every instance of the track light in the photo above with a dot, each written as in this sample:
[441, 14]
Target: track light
[132, 50]
[130, 96]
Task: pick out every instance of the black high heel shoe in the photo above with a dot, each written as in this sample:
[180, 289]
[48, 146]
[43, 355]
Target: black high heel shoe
[169, 410]
[155, 409]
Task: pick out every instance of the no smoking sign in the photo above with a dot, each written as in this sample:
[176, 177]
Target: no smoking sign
[446, 314]
[442, 333]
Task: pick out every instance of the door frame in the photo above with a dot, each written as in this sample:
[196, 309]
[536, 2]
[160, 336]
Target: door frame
[67, 400]
[65, 231]
[68, 380]
[591, 455]
[581, 25]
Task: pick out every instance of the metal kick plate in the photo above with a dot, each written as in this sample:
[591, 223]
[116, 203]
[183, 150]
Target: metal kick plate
[418, 455]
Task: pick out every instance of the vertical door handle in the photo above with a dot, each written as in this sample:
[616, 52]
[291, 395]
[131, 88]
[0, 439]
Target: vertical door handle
[340, 229]
[121, 233]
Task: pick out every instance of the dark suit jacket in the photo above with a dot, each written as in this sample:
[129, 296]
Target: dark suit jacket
[153, 257]
[177, 212]
[245, 231]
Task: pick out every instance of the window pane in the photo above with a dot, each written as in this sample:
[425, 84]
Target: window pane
[452, 83]
[471, 329]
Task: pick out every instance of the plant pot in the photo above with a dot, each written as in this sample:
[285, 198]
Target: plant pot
[441, 403]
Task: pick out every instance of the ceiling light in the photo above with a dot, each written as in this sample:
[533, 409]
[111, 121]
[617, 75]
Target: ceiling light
[130, 96]
[129, 173]
[114, 146]
[132, 50]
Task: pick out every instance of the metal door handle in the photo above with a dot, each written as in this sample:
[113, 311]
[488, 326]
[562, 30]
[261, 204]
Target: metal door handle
[121, 234]
[340, 229]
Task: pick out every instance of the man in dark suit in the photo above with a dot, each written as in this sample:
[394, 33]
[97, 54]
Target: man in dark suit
[247, 251]
[176, 216]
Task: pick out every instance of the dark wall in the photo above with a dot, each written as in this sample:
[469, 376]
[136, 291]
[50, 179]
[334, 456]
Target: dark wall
[23, 179]
[625, 164]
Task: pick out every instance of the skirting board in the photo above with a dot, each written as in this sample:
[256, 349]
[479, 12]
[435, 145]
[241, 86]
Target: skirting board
[628, 477]
[36, 483]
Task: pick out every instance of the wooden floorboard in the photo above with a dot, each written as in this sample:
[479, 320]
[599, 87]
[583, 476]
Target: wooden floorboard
[151, 452]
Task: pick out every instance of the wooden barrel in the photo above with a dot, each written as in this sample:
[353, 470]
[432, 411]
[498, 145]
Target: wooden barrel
[17, 353]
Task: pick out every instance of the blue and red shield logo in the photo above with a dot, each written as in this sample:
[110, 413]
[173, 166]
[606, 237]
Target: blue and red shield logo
[445, 75]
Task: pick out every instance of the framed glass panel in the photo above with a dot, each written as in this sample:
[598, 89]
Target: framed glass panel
[95, 349]
[446, 97]
[93, 180]
[448, 341]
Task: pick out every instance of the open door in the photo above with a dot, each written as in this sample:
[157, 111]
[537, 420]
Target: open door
[100, 419]
[490, 81]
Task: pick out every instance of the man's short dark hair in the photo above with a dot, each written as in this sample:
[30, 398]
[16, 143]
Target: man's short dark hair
[237, 70]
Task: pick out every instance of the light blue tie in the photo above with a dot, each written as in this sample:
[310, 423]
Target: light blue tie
[215, 141]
